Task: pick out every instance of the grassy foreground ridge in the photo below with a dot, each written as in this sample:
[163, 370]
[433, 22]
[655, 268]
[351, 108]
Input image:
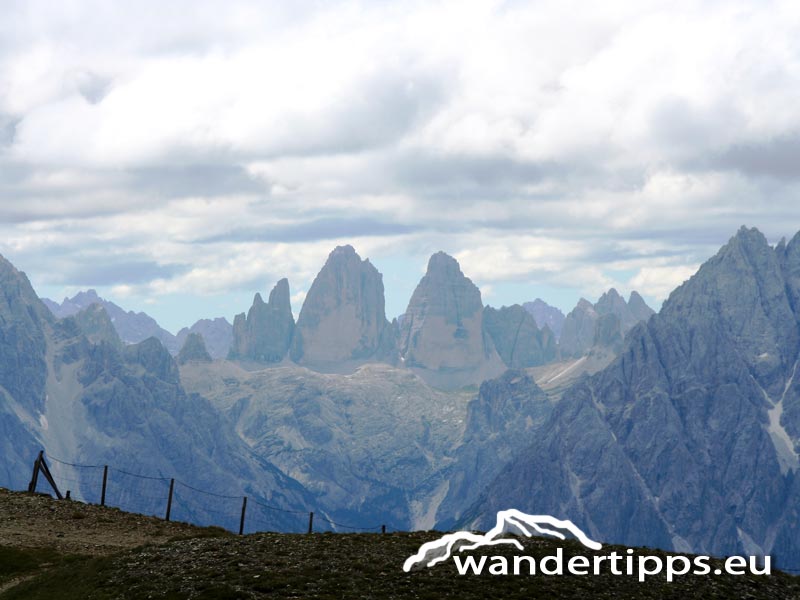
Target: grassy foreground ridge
[53, 550]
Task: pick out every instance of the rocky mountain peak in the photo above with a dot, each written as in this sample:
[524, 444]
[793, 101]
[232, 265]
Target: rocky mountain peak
[747, 249]
[193, 350]
[546, 315]
[443, 329]
[789, 258]
[217, 335]
[610, 302]
[443, 265]
[755, 286]
[85, 297]
[18, 292]
[96, 325]
[265, 334]
[131, 327]
[578, 331]
[343, 316]
[638, 307]
[749, 236]
[280, 297]
[603, 324]
[710, 380]
[23, 318]
[154, 358]
[346, 251]
[445, 291]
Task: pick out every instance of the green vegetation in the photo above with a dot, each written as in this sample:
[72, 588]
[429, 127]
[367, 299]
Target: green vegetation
[16, 562]
[334, 566]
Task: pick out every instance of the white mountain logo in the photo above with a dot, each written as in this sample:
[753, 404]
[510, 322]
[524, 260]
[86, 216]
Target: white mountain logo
[508, 521]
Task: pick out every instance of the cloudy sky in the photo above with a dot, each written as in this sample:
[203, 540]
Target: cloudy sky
[180, 156]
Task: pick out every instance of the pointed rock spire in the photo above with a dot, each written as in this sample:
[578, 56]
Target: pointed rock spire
[266, 332]
[193, 350]
[443, 330]
[343, 316]
[96, 325]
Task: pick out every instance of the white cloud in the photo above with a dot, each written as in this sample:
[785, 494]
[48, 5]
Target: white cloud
[658, 282]
[569, 145]
[297, 301]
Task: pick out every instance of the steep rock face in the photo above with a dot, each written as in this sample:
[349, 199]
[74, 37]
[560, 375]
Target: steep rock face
[133, 413]
[690, 438]
[97, 403]
[544, 314]
[628, 313]
[96, 325]
[372, 445]
[23, 372]
[517, 339]
[577, 334]
[443, 329]
[23, 318]
[154, 359]
[217, 335]
[500, 422]
[608, 332]
[603, 324]
[266, 333]
[72, 306]
[638, 308]
[194, 349]
[343, 316]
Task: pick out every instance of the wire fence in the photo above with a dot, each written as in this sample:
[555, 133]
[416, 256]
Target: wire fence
[170, 498]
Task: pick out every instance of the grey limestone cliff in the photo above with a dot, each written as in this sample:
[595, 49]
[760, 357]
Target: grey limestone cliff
[442, 333]
[690, 438]
[544, 314]
[500, 421]
[604, 323]
[194, 349]
[265, 334]
[517, 339]
[343, 318]
[96, 325]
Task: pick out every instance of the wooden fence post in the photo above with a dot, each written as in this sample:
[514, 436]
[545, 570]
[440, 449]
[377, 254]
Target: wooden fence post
[241, 521]
[35, 477]
[105, 481]
[48, 475]
[311, 522]
[383, 528]
[169, 499]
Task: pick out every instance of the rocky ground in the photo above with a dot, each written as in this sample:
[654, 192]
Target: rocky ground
[38, 521]
[38, 533]
[51, 550]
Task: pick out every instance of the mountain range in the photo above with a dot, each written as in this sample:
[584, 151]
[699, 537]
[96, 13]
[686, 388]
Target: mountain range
[678, 429]
[99, 402]
[133, 327]
[689, 438]
[298, 414]
[447, 336]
